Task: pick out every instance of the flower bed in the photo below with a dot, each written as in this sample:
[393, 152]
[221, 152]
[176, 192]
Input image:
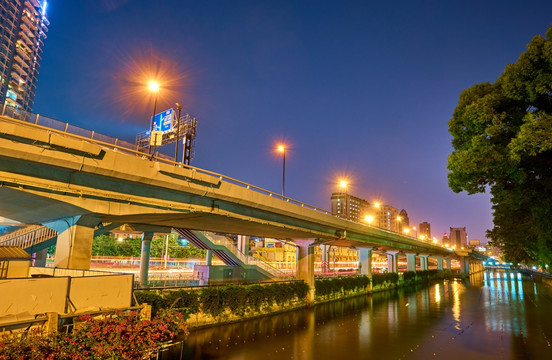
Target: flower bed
[117, 335]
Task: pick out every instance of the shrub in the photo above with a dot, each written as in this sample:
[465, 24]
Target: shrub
[255, 297]
[154, 299]
[407, 275]
[211, 301]
[300, 289]
[379, 279]
[234, 298]
[187, 300]
[115, 336]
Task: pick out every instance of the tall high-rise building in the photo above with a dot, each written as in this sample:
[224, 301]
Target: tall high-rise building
[387, 218]
[425, 230]
[349, 207]
[458, 237]
[23, 27]
[404, 221]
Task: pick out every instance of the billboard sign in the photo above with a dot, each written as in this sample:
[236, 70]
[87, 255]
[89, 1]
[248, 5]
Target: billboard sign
[163, 121]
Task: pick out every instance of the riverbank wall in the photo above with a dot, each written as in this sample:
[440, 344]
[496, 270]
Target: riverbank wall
[212, 306]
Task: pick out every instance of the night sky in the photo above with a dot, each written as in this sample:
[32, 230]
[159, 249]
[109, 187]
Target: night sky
[362, 89]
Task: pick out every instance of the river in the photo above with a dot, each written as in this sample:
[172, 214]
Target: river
[494, 315]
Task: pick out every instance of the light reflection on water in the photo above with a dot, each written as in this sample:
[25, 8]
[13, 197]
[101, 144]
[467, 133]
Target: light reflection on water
[491, 316]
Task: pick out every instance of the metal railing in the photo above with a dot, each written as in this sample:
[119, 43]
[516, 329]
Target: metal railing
[248, 260]
[28, 236]
[56, 126]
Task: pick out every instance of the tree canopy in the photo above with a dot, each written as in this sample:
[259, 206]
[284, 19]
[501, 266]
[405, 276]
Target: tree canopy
[502, 143]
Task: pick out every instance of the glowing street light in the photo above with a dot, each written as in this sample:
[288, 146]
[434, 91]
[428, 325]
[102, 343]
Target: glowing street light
[406, 231]
[343, 184]
[282, 149]
[153, 86]
[369, 219]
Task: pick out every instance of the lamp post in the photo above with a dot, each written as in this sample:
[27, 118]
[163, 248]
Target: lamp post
[282, 149]
[343, 184]
[154, 87]
[179, 107]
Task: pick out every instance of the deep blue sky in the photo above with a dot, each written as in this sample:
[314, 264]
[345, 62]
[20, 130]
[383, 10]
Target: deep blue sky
[357, 88]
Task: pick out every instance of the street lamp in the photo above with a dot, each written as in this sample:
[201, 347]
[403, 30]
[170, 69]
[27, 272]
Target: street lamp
[179, 107]
[369, 219]
[343, 184]
[282, 149]
[153, 86]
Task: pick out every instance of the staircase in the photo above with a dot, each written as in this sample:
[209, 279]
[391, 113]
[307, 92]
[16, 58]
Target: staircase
[225, 250]
[32, 238]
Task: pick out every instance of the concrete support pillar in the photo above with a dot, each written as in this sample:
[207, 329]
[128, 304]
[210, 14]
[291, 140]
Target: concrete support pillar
[365, 262]
[305, 265]
[393, 261]
[411, 262]
[209, 258]
[325, 258]
[449, 263]
[464, 265]
[424, 262]
[145, 258]
[243, 244]
[439, 262]
[40, 258]
[74, 241]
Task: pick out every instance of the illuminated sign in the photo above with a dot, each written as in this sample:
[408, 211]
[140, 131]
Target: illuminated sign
[163, 121]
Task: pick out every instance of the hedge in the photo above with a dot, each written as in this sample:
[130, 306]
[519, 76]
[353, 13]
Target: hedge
[379, 279]
[341, 285]
[216, 300]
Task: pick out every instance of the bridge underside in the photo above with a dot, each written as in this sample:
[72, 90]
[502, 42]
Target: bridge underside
[29, 207]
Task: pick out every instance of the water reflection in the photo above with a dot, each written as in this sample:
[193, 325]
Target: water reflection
[491, 316]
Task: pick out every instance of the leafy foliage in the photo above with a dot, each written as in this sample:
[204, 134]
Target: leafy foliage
[341, 285]
[379, 279]
[214, 301]
[105, 245]
[408, 275]
[502, 140]
[115, 336]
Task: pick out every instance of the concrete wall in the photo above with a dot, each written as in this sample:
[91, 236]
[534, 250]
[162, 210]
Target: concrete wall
[17, 269]
[22, 298]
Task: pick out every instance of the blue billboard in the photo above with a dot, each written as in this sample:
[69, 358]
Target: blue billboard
[163, 121]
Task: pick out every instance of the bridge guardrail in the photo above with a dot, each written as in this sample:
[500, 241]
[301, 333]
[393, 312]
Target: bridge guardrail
[246, 259]
[30, 236]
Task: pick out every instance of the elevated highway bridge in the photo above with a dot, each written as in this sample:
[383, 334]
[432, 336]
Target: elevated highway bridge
[76, 181]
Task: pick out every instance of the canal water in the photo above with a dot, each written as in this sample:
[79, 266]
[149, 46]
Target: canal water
[494, 315]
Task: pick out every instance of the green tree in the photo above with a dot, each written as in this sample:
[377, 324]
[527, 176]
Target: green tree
[502, 142]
